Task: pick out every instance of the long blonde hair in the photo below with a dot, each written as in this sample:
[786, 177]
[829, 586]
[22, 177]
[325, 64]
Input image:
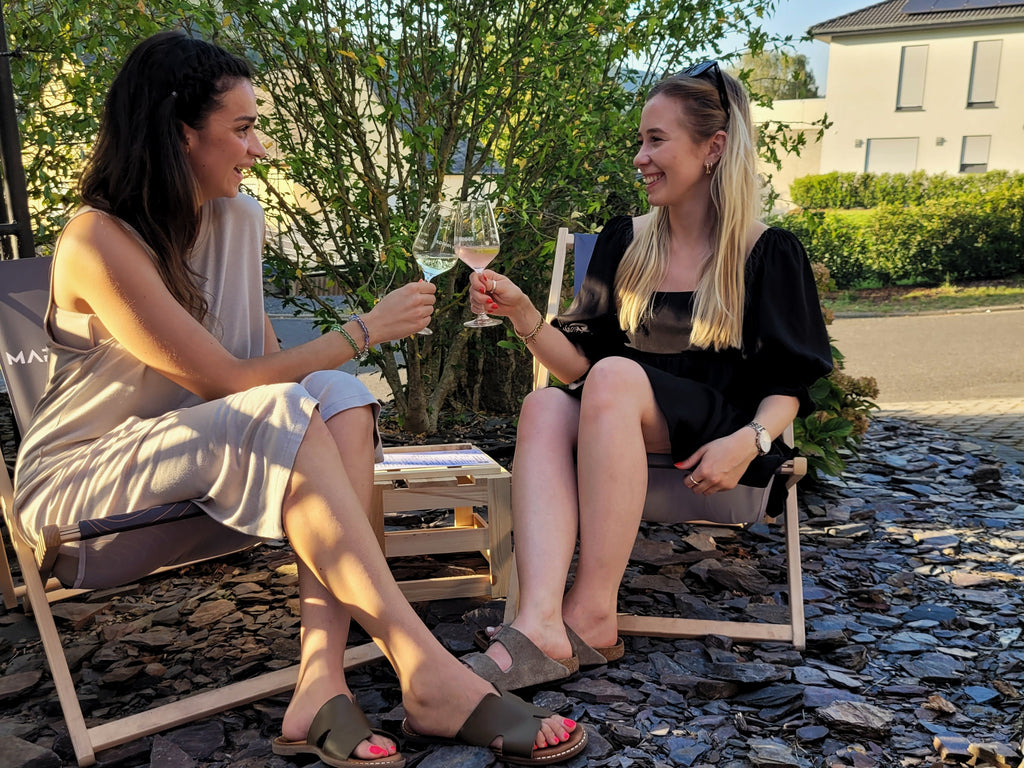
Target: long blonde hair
[735, 185]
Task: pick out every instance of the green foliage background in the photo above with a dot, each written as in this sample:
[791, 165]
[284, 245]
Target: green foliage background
[917, 228]
[369, 110]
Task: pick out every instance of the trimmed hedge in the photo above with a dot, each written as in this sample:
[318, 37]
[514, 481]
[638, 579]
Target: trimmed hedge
[868, 190]
[969, 234]
[834, 239]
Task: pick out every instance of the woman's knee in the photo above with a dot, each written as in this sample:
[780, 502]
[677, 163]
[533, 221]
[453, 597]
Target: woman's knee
[548, 409]
[358, 420]
[614, 383]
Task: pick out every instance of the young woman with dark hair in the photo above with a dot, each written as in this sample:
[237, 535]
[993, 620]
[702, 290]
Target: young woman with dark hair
[167, 384]
[697, 332]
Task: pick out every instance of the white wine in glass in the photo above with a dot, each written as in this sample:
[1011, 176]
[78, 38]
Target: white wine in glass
[476, 244]
[434, 246]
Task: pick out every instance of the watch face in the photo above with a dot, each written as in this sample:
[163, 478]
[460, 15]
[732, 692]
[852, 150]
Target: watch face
[763, 442]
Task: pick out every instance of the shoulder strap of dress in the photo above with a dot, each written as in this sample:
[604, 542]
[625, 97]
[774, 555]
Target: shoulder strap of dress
[640, 223]
[754, 233]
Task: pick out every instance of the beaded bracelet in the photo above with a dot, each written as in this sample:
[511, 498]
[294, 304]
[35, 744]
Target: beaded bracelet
[348, 337]
[365, 351]
[532, 334]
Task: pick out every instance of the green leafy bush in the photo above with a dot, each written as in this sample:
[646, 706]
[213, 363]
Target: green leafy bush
[969, 236]
[922, 229]
[835, 239]
[868, 190]
[834, 432]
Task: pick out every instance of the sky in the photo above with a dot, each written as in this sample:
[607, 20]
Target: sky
[793, 17]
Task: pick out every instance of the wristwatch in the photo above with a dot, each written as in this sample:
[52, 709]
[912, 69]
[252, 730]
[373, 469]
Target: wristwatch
[762, 441]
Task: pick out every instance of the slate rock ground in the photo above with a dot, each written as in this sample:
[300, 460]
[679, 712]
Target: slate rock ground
[914, 576]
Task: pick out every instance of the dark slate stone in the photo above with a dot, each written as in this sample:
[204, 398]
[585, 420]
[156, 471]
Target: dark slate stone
[942, 614]
[18, 753]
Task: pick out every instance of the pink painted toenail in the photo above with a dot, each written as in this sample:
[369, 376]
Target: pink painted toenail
[565, 737]
[375, 750]
[570, 724]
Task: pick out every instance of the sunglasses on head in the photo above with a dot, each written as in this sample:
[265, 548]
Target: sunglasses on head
[699, 70]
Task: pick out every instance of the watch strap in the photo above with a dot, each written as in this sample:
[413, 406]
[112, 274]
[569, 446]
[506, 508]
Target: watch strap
[760, 435]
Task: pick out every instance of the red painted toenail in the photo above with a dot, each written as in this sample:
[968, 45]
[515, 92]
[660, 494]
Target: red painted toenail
[375, 750]
[570, 724]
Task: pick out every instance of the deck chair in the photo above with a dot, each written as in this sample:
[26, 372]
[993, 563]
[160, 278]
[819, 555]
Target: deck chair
[23, 355]
[669, 501]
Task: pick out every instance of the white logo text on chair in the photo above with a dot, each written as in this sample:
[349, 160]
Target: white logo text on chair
[32, 356]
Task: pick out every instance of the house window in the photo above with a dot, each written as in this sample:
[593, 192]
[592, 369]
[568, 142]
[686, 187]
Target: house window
[974, 154]
[891, 155]
[912, 65]
[984, 73]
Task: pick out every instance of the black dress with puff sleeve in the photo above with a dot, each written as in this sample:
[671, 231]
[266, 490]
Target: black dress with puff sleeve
[705, 394]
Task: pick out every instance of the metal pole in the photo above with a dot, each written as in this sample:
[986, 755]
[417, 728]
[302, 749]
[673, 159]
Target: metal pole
[15, 198]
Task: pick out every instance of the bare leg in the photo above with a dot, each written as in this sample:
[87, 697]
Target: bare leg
[330, 534]
[619, 423]
[545, 513]
[325, 621]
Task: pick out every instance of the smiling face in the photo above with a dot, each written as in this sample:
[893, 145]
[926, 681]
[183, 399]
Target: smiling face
[225, 145]
[672, 163]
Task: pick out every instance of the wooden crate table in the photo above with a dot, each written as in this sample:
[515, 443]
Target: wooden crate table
[456, 476]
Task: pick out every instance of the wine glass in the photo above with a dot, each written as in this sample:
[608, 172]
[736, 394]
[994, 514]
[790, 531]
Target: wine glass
[476, 244]
[434, 246]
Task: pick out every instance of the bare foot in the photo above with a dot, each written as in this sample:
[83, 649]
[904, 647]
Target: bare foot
[596, 629]
[553, 643]
[298, 717]
[439, 707]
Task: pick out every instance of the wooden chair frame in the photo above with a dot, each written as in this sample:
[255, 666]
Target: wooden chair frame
[456, 481]
[660, 626]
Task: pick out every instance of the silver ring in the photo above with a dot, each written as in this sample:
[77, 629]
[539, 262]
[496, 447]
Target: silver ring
[695, 481]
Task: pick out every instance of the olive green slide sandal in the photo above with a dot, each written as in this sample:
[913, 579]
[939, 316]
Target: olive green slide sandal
[335, 732]
[516, 722]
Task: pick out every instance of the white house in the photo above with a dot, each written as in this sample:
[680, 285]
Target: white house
[932, 85]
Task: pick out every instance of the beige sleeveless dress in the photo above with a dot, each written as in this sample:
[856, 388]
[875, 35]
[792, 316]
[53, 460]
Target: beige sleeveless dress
[111, 435]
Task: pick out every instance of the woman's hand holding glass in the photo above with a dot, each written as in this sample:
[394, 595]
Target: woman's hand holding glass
[496, 294]
[402, 312]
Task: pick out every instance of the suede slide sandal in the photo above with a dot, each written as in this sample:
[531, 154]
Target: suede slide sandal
[588, 656]
[530, 665]
[335, 732]
[516, 722]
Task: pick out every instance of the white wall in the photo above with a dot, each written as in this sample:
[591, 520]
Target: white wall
[863, 79]
[799, 114]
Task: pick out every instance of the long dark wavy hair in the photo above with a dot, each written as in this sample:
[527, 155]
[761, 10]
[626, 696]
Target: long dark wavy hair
[138, 170]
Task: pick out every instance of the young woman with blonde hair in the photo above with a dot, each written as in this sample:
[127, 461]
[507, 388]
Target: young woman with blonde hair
[697, 332]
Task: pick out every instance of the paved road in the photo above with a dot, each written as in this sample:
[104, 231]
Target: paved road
[962, 372]
[966, 356]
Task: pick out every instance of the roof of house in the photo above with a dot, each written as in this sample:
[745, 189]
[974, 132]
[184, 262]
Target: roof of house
[892, 15]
